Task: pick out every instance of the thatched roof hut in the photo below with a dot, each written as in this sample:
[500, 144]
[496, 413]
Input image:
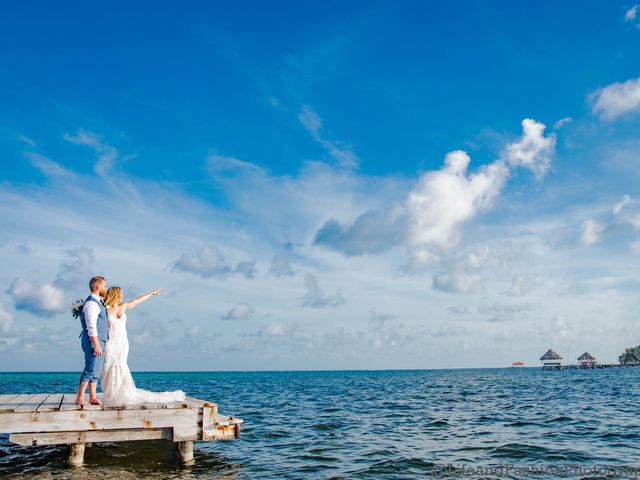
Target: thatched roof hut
[550, 355]
[586, 359]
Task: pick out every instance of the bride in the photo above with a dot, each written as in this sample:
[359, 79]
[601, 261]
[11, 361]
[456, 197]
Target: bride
[117, 383]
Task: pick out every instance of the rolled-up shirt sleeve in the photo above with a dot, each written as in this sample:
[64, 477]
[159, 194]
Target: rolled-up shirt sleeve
[91, 311]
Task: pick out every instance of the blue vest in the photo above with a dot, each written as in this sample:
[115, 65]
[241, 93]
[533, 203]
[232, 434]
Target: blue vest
[101, 325]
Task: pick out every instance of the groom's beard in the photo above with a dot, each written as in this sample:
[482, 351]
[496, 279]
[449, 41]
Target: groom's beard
[103, 292]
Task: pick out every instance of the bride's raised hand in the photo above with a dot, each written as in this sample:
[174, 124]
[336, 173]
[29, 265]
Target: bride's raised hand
[156, 292]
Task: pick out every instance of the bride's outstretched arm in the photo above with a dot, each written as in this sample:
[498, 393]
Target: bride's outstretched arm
[132, 303]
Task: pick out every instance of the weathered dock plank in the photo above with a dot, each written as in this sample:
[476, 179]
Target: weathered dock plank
[32, 403]
[7, 398]
[52, 403]
[95, 436]
[15, 402]
[69, 402]
[54, 419]
[25, 422]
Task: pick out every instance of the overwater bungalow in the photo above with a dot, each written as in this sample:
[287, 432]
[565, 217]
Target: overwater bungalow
[587, 360]
[550, 359]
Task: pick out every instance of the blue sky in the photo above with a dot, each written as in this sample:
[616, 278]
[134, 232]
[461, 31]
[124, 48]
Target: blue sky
[328, 185]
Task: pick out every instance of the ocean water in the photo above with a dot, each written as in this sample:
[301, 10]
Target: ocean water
[468, 423]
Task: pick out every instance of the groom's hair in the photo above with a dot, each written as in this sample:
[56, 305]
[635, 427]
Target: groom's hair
[94, 281]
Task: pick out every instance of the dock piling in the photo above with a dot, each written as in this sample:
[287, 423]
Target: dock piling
[76, 455]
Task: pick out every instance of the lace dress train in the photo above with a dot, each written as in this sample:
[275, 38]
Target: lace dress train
[118, 386]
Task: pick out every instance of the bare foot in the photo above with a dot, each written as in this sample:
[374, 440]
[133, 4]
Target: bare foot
[81, 401]
[95, 401]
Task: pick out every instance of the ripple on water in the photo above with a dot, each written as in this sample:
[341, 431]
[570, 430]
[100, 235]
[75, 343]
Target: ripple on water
[368, 424]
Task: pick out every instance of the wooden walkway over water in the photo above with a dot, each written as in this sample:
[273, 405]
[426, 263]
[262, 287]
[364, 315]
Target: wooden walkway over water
[589, 367]
[55, 419]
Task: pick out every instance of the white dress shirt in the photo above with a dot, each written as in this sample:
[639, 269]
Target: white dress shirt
[91, 310]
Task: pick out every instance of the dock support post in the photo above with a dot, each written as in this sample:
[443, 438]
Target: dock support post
[184, 451]
[76, 455]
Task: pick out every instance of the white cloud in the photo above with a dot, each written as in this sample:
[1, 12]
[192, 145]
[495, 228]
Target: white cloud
[45, 300]
[277, 329]
[445, 199]
[241, 311]
[631, 14]
[246, 268]
[207, 262]
[562, 122]
[635, 246]
[372, 232]
[627, 211]
[616, 99]
[77, 269]
[315, 298]
[464, 272]
[457, 282]
[591, 232]
[429, 222]
[107, 154]
[6, 319]
[47, 166]
[341, 152]
[533, 151]
[223, 166]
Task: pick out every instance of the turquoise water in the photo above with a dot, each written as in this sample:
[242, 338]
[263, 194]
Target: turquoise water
[375, 424]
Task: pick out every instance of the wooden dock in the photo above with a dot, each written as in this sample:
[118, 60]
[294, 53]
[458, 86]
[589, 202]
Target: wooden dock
[589, 367]
[55, 419]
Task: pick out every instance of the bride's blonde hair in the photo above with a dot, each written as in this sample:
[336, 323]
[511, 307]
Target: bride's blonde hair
[113, 297]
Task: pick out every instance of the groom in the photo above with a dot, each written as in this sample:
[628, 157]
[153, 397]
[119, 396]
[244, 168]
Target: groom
[94, 336]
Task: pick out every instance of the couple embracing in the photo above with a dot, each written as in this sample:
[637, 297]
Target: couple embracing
[106, 347]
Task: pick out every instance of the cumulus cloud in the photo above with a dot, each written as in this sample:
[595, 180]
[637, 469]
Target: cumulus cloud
[281, 265]
[457, 282]
[107, 154]
[372, 232]
[591, 232]
[278, 329]
[463, 272]
[207, 262]
[315, 297]
[6, 319]
[241, 311]
[430, 220]
[45, 300]
[445, 199]
[616, 99]
[534, 151]
[341, 152]
[247, 269]
[77, 269]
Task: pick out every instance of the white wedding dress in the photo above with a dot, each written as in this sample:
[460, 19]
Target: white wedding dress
[118, 386]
